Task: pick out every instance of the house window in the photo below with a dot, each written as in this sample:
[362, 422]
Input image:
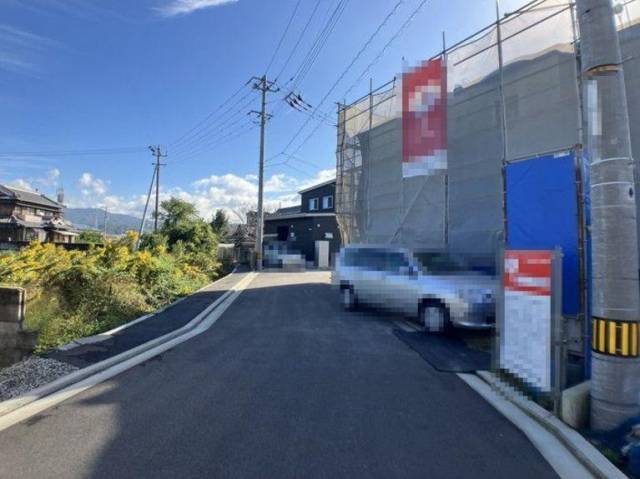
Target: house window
[327, 202]
[313, 204]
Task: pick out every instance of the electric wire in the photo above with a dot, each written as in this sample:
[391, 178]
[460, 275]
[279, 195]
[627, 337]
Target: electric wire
[87, 152]
[209, 116]
[343, 74]
[229, 116]
[284, 34]
[405, 24]
[295, 46]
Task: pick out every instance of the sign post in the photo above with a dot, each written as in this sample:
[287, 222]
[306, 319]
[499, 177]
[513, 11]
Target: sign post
[531, 329]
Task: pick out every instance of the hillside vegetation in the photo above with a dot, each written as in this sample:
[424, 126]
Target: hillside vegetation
[72, 294]
[94, 218]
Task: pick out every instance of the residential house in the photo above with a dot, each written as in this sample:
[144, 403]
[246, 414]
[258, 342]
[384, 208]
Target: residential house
[27, 216]
[306, 227]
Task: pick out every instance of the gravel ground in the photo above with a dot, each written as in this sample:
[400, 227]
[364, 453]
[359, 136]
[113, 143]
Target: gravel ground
[29, 374]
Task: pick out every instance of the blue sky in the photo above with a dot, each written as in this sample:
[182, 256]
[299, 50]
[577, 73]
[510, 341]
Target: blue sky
[80, 75]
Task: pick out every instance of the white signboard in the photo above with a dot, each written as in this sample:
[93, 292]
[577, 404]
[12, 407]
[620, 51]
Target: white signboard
[526, 335]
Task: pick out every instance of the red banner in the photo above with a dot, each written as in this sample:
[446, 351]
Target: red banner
[528, 272]
[424, 111]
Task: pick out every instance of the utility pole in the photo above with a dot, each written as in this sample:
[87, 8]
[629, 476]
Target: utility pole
[265, 87]
[615, 382]
[146, 206]
[157, 152]
[106, 213]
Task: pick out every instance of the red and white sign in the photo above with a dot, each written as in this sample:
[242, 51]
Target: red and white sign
[424, 112]
[526, 334]
[528, 271]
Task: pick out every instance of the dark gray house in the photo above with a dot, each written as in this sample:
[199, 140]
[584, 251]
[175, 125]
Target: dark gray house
[308, 227]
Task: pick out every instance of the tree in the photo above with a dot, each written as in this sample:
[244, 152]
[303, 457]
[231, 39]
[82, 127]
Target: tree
[90, 236]
[220, 225]
[175, 211]
[180, 222]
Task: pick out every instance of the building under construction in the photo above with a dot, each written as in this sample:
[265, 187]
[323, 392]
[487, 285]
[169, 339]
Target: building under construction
[515, 170]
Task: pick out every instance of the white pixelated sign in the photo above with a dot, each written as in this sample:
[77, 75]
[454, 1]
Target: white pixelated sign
[526, 336]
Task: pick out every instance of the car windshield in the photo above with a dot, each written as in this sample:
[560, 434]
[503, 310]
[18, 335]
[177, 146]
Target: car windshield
[441, 262]
[378, 259]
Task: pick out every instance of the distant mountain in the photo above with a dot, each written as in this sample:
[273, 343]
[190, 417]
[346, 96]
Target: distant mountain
[94, 218]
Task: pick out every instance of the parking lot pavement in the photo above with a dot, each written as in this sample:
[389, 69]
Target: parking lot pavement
[285, 384]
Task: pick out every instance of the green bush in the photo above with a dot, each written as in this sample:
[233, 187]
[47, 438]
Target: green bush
[71, 294]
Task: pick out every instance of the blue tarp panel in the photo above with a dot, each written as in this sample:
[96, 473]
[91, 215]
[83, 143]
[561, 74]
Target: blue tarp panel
[542, 213]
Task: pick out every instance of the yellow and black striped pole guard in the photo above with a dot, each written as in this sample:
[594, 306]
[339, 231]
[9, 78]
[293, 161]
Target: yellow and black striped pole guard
[615, 338]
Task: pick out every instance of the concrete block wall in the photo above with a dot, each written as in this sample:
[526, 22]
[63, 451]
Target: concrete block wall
[15, 343]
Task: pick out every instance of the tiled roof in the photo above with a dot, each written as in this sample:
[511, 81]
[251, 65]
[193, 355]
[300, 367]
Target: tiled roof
[12, 220]
[56, 224]
[32, 197]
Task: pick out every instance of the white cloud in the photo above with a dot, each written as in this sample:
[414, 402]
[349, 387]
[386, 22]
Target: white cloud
[232, 193]
[91, 186]
[51, 177]
[27, 183]
[183, 7]
[320, 177]
[280, 182]
[22, 184]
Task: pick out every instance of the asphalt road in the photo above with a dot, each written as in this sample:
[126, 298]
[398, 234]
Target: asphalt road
[284, 385]
[173, 317]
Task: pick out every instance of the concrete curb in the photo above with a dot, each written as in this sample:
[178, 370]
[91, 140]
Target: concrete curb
[97, 338]
[11, 405]
[584, 451]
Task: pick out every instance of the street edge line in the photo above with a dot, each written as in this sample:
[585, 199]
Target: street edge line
[10, 405]
[587, 454]
[98, 338]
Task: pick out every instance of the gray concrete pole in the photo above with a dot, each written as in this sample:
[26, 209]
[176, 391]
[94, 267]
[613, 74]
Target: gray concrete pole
[260, 215]
[265, 87]
[144, 213]
[615, 385]
[155, 222]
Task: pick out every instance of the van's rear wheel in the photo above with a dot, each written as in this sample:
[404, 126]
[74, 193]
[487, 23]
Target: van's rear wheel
[348, 298]
[433, 317]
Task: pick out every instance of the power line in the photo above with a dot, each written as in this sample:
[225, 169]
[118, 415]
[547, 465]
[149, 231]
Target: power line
[214, 136]
[316, 47]
[227, 119]
[384, 48]
[284, 34]
[378, 56]
[346, 70]
[319, 43]
[295, 46]
[207, 140]
[223, 116]
[94, 151]
[210, 115]
[218, 142]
